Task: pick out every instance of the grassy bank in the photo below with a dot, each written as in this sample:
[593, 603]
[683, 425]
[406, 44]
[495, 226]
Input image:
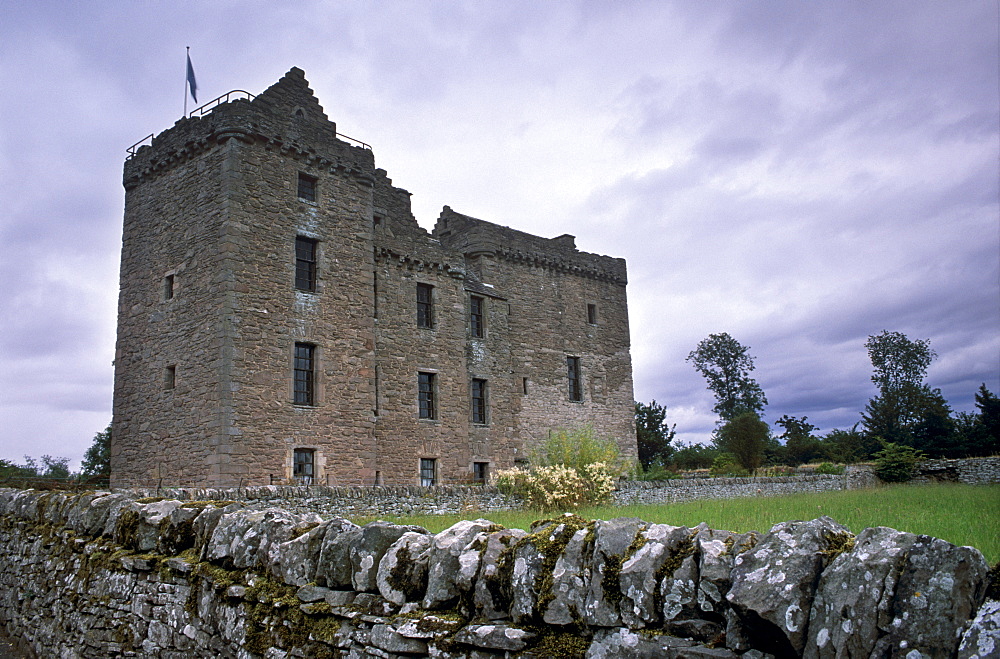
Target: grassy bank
[960, 514]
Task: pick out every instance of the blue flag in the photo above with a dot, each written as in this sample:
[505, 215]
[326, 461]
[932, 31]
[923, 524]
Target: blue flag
[192, 83]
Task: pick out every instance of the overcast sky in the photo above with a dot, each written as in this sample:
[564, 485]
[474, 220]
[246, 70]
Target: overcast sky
[798, 174]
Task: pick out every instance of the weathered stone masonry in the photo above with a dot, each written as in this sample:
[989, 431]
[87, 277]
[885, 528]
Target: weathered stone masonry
[212, 313]
[103, 575]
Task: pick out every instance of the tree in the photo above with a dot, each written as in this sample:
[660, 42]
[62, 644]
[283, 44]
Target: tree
[97, 459]
[653, 433]
[726, 366]
[898, 361]
[899, 368]
[896, 463]
[848, 446]
[695, 456]
[745, 436]
[800, 445]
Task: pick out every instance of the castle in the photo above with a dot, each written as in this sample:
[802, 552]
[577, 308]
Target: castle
[283, 319]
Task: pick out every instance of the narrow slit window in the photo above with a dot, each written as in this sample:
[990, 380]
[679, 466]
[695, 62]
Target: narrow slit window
[170, 377]
[305, 264]
[573, 377]
[524, 386]
[427, 399]
[477, 323]
[592, 314]
[425, 305]
[307, 187]
[168, 287]
[479, 402]
[304, 384]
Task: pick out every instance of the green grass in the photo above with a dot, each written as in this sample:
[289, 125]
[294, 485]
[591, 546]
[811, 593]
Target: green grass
[960, 514]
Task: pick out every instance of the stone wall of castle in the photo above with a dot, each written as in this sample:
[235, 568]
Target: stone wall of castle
[104, 575]
[210, 318]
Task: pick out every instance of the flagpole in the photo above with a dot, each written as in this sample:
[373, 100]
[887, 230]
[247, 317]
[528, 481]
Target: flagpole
[183, 116]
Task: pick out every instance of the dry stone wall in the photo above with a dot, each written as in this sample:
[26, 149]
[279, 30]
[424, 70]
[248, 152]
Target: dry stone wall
[971, 471]
[105, 574]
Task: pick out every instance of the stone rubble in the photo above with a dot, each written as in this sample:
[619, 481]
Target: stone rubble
[105, 575]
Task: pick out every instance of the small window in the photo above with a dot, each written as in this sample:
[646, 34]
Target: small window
[481, 472]
[479, 403]
[573, 375]
[168, 287]
[425, 305]
[307, 187]
[592, 314]
[477, 323]
[304, 378]
[428, 472]
[426, 397]
[305, 264]
[170, 377]
[304, 466]
[524, 386]
[376, 220]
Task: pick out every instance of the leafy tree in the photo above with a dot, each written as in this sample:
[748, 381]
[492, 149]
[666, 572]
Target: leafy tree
[653, 433]
[848, 446]
[898, 362]
[97, 459]
[800, 444]
[904, 400]
[695, 456]
[745, 436]
[726, 366]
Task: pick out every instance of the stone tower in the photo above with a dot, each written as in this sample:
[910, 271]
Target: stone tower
[283, 318]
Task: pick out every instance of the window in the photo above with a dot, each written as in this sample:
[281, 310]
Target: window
[428, 472]
[592, 314]
[426, 397]
[305, 264]
[307, 187]
[304, 378]
[479, 401]
[481, 471]
[168, 287]
[573, 374]
[425, 305]
[303, 466]
[524, 386]
[169, 377]
[476, 324]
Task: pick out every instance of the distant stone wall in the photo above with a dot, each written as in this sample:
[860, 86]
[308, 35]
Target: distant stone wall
[413, 500]
[104, 575]
[971, 471]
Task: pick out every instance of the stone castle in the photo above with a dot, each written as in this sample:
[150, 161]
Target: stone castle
[283, 319]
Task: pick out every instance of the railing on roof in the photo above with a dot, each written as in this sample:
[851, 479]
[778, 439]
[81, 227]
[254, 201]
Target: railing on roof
[214, 103]
[225, 98]
[359, 142]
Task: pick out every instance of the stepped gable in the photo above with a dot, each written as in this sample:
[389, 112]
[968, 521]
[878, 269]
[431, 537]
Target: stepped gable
[286, 116]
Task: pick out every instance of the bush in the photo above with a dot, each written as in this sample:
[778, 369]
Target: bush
[558, 487]
[727, 465]
[573, 468]
[829, 468]
[896, 463]
[577, 448]
[656, 471]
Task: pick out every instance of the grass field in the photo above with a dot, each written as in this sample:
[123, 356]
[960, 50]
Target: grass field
[960, 514]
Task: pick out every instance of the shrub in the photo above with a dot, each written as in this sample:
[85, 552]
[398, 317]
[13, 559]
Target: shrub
[557, 487]
[725, 464]
[829, 468]
[573, 468]
[896, 463]
[577, 448]
[656, 471]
